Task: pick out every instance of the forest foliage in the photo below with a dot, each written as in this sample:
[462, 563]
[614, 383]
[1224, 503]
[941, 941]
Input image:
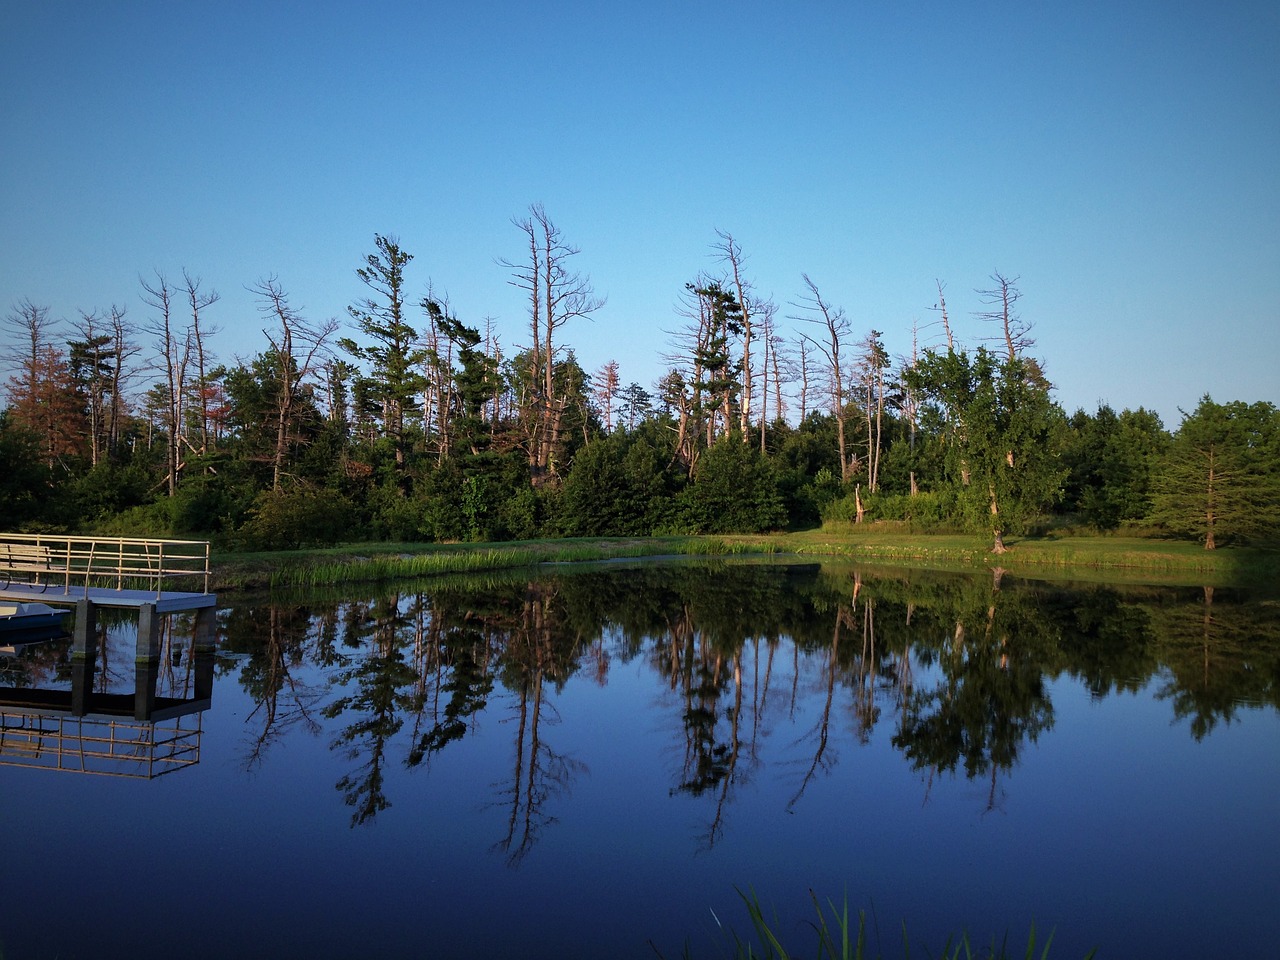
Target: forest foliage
[408, 423]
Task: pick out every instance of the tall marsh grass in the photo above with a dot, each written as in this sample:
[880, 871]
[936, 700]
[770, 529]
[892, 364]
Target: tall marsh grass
[309, 569]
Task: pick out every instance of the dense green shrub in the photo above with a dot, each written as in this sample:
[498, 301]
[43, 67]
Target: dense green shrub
[735, 490]
[924, 511]
[619, 485]
[302, 517]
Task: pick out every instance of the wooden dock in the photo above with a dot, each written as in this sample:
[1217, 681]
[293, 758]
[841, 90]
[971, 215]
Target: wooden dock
[82, 729]
[166, 601]
[125, 573]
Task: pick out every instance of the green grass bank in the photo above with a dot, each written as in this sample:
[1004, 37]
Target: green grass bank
[1124, 559]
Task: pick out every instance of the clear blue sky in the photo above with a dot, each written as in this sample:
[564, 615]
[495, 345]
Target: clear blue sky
[1122, 159]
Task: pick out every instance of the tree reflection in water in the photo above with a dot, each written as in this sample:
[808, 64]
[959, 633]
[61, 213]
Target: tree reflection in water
[383, 682]
[538, 652]
[275, 639]
[1220, 653]
[990, 697]
[961, 665]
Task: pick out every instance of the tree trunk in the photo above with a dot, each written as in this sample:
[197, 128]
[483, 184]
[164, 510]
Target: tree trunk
[998, 546]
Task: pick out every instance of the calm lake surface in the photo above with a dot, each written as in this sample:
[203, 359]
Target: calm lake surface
[592, 761]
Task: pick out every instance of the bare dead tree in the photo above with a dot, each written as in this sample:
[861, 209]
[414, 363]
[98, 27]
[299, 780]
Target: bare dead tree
[835, 330]
[173, 357]
[767, 364]
[1001, 301]
[90, 358]
[872, 362]
[731, 253]
[31, 329]
[199, 337]
[556, 296]
[907, 401]
[123, 350]
[805, 365]
[784, 368]
[493, 350]
[941, 307]
[298, 352]
[607, 384]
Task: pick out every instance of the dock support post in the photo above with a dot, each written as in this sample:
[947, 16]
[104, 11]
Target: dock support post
[84, 656]
[202, 643]
[203, 633]
[146, 662]
[145, 675]
[148, 634]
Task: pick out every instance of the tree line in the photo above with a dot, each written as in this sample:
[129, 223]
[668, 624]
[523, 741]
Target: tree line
[408, 423]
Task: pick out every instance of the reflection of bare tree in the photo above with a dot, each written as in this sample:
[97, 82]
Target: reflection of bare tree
[869, 673]
[701, 672]
[865, 708]
[428, 659]
[823, 760]
[282, 701]
[534, 655]
[456, 664]
[760, 694]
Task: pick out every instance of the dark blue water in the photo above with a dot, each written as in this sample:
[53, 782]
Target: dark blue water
[594, 763]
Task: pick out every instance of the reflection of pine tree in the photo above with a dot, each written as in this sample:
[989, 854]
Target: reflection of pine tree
[456, 665]
[1220, 653]
[380, 697]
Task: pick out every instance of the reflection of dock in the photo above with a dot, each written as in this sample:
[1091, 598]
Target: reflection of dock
[139, 734]
[101, 745]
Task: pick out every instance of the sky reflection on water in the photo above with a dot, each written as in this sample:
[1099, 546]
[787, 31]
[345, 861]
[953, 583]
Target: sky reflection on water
[582, 763]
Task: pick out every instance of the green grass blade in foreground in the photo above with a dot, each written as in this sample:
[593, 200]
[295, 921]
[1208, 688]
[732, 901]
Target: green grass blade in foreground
[838, 940]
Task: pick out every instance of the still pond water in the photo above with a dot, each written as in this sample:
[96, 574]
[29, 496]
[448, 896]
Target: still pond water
[593, 761]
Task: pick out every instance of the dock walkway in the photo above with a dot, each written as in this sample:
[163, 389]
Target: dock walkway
[118, 572]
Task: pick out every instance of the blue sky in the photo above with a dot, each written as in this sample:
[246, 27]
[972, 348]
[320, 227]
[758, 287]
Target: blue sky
[1121, 159]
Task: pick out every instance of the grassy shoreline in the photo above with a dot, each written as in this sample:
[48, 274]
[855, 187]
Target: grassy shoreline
[1125, 559]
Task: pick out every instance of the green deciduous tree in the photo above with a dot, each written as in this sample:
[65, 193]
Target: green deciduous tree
[1000, 427]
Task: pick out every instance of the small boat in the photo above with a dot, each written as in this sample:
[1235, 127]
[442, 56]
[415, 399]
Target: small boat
[29, 621]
